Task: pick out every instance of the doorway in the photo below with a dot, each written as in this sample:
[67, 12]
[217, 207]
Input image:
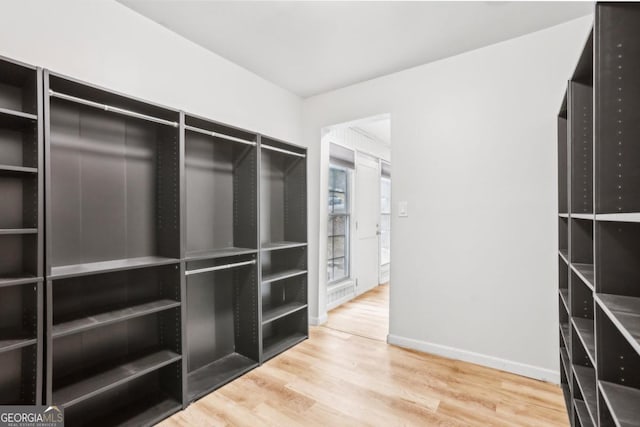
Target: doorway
[358, 255]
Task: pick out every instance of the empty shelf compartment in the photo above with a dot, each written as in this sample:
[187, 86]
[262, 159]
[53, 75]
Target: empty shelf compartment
[618, 255]
[586, 379]
[18, 377]
[221, 189]
[18, 88]
[622, 402]
[585, 272]
[283, 298]
[86, 388]
[581, 241]
[142, 401]
[584, 329]
[283, 195]
[114, 182]
[18, 316]
[283, 264]
[564, 332]
[283, 333]
[209, 377]
[583, 413]
[19, 208]
[222, 310]
[624, 312]
[89, 362]
[86, 302]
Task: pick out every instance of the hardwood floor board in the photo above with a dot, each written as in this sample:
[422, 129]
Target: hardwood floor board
[345, 374]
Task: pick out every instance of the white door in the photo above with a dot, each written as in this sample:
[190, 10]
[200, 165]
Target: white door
[367, 215]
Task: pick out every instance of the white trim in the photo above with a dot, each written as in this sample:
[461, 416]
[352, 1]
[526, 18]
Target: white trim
[317, 321]
[518, 368]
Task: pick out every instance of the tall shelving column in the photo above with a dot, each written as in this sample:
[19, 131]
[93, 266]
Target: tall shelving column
[563, 256]
[114, 292]
[604, 224]
[283, 253]
[221, 253]
[21, 234]
[617, 202]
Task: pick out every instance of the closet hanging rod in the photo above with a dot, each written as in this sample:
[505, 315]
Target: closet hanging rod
[116, 110]
[280, 150]
[219, 267]
[219, 135]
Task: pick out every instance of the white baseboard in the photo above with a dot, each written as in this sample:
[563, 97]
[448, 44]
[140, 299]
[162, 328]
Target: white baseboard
[518, 368]
[317, 321]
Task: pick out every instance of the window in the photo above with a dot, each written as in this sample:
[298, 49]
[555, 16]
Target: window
[385, 220]
[338, 226]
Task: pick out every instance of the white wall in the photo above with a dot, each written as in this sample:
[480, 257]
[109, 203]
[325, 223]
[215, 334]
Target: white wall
[105, 43]
[474, 271]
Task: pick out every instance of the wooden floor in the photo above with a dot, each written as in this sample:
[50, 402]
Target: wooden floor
[366, 316]
[345, 375]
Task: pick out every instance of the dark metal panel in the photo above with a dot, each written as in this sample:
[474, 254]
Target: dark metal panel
[617, 109]
[581, 147]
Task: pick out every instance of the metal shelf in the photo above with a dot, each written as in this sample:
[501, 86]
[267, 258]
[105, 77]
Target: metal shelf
[564, 295]
[281, 275]
[564, 253]
[274, 313]
[566, 365]
[65, 271]
[109, 317]
[12, 119]
[564, 331]
[216, 374]
[273, 246]
[623, 402]
[218, 253]
[585, 272]
[624, 313]
[279, 343]
[583, 413]
[585, 331]
[586, 379]
[14, 344]
[89, 387]
[619, 217]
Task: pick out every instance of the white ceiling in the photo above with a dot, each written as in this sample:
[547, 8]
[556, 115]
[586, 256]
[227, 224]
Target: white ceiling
[314, 47]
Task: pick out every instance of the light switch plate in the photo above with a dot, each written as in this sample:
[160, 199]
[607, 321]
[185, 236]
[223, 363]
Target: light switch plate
[403, 209]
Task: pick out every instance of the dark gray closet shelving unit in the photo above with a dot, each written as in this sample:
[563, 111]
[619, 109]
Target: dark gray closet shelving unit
[221, 255]
[600, 316]
[283, 255]
[114, 287]
[21, 233]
